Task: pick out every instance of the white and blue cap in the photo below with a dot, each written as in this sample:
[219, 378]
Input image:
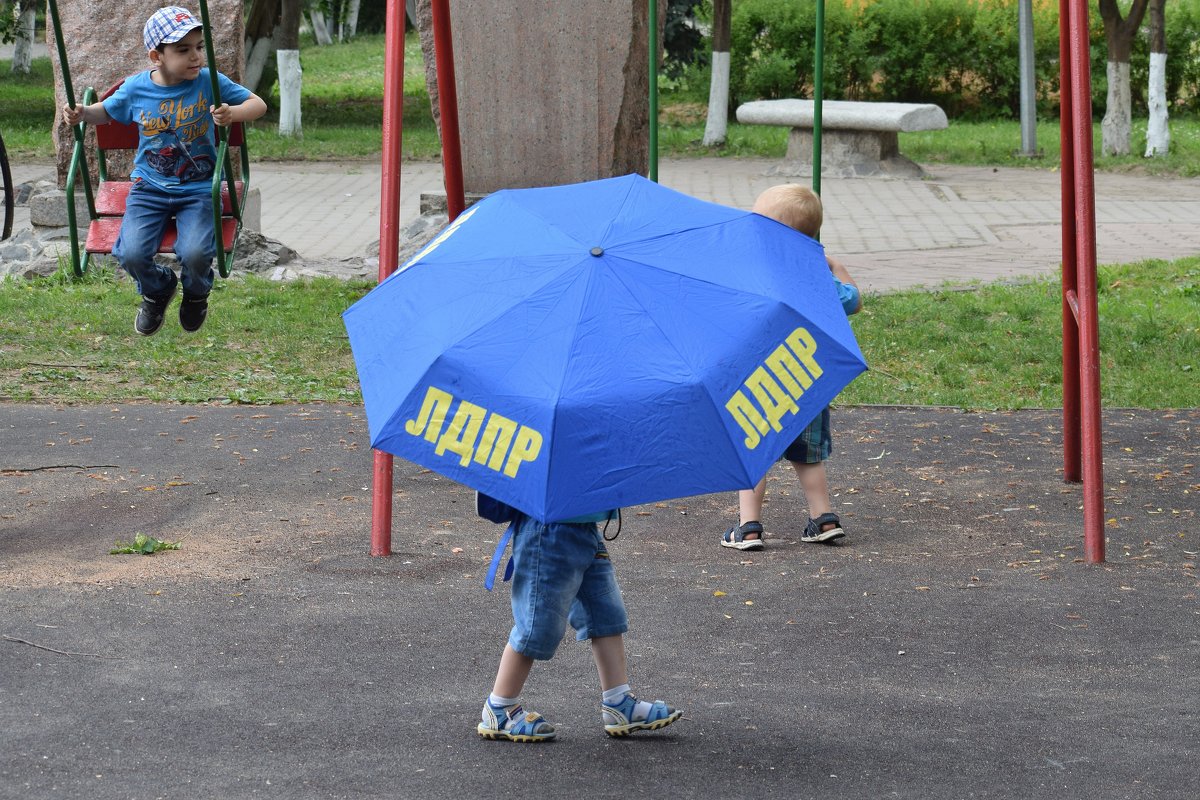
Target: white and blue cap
[168, 25]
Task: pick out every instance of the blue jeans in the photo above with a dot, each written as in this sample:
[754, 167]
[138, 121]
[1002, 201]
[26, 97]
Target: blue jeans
[146, 215]
[562, 573]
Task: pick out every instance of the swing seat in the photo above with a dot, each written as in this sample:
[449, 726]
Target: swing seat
[107, 206]
[111, 196]
[103, 232]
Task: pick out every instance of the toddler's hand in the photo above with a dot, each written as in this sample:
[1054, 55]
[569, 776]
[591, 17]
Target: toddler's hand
[73, 116]
[222, 115]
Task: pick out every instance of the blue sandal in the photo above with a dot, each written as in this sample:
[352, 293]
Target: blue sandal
[514, 724]
[736, 537]
[619, 721]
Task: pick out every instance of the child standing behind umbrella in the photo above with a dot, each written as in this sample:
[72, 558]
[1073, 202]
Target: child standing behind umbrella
[562, 573]
[798, 207]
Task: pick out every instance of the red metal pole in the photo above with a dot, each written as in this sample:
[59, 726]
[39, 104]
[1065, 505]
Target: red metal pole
[1085, 244]
[1070, 322]
[389, 241]
[443, 48]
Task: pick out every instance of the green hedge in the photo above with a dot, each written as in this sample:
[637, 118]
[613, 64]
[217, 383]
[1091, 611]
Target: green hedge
[960, 54]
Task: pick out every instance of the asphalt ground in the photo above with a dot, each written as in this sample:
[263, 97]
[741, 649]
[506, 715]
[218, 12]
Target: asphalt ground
[954, 646]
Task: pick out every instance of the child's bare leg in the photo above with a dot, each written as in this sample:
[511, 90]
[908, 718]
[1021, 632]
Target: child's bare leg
[503, 717]
[623, 713]
[820, 528]
[747, 533]
[816, 487]
[750, 503]
[609, 654]
[512, 673]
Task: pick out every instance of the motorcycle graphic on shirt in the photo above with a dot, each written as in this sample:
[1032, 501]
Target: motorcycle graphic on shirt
[169, 156]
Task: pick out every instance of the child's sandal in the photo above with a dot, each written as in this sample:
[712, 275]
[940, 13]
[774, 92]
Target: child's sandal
[813, 531]
[736, 537]
[619, 721]
[515, 725]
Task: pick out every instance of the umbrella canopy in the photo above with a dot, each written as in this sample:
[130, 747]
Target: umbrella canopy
[580, 348]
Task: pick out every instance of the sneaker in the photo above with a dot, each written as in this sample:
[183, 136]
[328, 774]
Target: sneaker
[154, 309]
[736, 537]
[815, 530]
[621, 719]
[513, 724]
[192, 312]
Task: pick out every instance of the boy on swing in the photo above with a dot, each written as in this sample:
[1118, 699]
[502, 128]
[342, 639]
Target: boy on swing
[173, 166]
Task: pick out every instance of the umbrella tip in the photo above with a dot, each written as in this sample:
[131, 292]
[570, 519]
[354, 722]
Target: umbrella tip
[597, 251]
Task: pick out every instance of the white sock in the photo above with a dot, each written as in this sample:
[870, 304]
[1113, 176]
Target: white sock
[502, 702]
[616, 694]
[498, 702]
[613, 696]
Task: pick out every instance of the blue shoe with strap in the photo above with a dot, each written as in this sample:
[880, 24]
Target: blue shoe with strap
[514, 724]
[738, 536]
[621, 719]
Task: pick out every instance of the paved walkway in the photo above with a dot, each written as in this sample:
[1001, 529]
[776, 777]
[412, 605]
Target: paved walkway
[961, 224]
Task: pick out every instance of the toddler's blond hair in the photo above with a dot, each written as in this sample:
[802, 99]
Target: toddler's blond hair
[794, 205]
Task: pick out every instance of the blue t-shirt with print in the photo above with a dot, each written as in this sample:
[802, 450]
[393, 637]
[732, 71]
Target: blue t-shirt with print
[177, 145]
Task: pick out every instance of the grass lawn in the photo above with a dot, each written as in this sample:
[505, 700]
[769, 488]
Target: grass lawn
[996, 347]
[63, 340]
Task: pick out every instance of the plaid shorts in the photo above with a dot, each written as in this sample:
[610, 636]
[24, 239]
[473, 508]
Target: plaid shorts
[815, 443]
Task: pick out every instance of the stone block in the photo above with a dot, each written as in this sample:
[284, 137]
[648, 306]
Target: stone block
[48, 209]
[548, 92]
[435, 202]
[252, 210]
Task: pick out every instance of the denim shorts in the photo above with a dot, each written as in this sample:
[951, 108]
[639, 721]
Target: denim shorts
[815, 443]
[562, 573]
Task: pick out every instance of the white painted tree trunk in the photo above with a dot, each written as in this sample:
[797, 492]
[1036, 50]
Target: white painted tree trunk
[352, 19]
[1158, 133]
[290, 81]
[1116, 128]
[320, 27]
[256, 60]
[718, 101]
[22, 59]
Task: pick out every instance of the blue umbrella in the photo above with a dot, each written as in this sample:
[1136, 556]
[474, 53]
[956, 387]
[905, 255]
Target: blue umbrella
[579, 348]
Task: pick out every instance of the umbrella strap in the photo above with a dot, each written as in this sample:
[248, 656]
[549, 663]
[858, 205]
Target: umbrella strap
[501, 546]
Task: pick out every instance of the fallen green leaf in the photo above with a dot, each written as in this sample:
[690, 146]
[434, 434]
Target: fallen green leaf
[143, 545]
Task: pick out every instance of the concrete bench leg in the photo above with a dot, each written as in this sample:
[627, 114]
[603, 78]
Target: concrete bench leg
[848, 154]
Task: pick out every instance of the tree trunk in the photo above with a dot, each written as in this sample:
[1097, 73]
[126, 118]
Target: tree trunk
[262, 31]
[262, 20]
[257, 58]
[1158, 133]
[320, 27]
[290, 84]
[718, 89]
[288, 61]
[1117, 125]
[352, 18]
[22, 60]
[1118, 116]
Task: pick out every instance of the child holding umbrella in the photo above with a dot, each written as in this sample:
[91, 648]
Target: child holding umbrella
[562, 573]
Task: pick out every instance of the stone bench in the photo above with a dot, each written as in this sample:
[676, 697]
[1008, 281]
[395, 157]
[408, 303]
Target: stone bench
[857, 138]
